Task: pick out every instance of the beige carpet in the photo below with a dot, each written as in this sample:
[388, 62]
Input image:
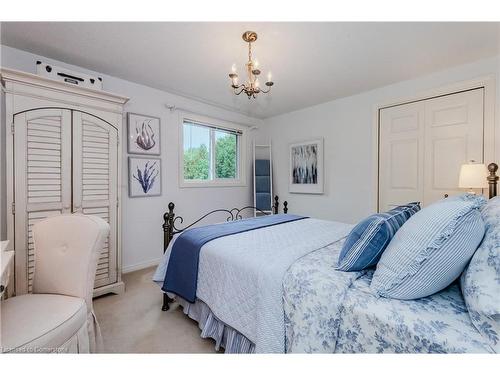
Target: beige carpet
[134, 323]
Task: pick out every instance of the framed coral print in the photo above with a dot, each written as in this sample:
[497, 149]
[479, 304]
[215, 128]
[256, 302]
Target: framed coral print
[306, 172]
[144, 177]
[143, 134]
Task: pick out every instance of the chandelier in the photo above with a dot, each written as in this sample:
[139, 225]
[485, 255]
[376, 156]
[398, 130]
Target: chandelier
[252, 85]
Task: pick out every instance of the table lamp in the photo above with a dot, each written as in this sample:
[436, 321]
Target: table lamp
[473, 176]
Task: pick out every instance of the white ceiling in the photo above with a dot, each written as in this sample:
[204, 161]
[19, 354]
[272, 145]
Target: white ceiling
[311, 63]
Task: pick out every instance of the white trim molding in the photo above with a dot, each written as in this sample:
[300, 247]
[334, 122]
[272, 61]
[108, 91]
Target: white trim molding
[141, 265]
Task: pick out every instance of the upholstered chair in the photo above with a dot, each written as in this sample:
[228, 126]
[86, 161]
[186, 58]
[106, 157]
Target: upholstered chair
[58, 316]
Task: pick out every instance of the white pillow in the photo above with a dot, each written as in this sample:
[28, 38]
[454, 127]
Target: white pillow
[431, 249]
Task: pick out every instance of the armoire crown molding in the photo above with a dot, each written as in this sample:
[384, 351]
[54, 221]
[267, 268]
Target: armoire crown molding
[24, 83]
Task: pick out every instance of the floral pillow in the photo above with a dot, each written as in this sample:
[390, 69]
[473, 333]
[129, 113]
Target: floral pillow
[480, 281]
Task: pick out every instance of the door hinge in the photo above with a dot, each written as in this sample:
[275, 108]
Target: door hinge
[12, 128]
[13, 208]
[117, 202]
[118, 141]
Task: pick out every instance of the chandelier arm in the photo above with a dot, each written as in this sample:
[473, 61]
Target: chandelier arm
[264, 91]
[242, 88]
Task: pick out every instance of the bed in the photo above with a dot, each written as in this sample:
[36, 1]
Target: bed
[275, 290]
[329, 311]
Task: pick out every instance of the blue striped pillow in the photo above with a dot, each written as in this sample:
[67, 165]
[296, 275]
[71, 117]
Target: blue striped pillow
[431, 250]
[368, 239]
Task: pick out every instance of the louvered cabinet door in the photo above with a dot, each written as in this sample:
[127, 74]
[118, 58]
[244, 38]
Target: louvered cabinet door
[95, 170]
[42, 172]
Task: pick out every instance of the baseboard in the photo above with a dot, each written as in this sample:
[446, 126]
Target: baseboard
[116, 288]
[140, 266]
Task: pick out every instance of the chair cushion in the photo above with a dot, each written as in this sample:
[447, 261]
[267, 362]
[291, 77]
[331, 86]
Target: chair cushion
[40, 322]
[431, 249]
[369, 238]
[481, 279]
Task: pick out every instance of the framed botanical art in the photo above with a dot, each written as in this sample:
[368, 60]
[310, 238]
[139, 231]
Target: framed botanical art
[144, 177]
[306, 171]
[143, 134]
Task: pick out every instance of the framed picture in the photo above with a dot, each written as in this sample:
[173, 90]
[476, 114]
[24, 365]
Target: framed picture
[306, 167]
[143, 134]
[144, 177]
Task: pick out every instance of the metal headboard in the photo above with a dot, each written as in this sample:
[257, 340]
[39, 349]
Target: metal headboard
[170, 229]
[170, 219]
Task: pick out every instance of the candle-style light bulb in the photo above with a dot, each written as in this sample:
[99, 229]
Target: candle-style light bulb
[269, 77]
[233, 68]
[256, 63]
[257, 84]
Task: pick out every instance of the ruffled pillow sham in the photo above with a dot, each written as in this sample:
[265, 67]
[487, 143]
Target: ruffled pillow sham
[431, 249]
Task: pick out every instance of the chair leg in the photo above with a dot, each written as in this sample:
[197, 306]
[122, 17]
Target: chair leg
[166, 301]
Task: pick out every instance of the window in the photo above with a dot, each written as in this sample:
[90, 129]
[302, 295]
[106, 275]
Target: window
[211, 154]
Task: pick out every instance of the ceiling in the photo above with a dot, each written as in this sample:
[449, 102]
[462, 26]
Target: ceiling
[311, 63]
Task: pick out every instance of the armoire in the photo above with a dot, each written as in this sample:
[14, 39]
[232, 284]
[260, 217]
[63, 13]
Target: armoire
[63, 155]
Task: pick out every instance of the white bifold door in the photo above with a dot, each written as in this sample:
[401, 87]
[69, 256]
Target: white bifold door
[423, 144]
[65, 162]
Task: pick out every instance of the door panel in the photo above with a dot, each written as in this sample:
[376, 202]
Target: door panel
[400, 155]
[453, 136]
[95, 158]
[42, 165]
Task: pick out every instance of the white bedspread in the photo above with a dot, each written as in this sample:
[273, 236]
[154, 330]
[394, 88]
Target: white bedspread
[240, 277]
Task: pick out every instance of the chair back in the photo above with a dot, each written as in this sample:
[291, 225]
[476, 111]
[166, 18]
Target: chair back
[67, 249]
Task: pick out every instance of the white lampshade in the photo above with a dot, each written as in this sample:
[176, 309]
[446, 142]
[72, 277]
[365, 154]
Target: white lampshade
[473, 176]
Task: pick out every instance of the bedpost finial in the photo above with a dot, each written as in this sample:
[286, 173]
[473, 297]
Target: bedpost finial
[171, 206]
[276, 205]
[492, 179]
[492, 167]
[285, 207]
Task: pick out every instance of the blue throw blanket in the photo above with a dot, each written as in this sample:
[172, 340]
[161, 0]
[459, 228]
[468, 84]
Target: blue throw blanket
[182, 270]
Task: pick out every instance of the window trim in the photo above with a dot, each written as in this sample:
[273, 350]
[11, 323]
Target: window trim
[223, 126]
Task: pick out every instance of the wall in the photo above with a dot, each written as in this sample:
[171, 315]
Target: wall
[142, 217]
[347, 127]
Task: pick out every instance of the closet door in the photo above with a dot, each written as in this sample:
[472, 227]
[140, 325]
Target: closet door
[453, 136]
[42, 172]
[401, 151]
[423, 144]
[95, 157]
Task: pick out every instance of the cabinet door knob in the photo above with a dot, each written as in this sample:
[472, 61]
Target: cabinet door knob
[446, 195]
